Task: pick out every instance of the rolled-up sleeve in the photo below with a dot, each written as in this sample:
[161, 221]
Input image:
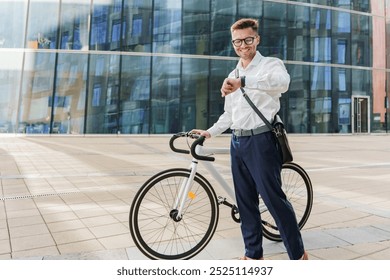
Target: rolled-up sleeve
[274, 82]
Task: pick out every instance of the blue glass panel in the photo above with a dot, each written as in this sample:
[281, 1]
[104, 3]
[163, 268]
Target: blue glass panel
[165, 95]
[344, 22]
[273, 32]
[167, 26]
[103, 94]
[135, 94]
[74, 25]
[196, 27]
[223, 15]
[341, 51]
[99, 25]
[137, 34]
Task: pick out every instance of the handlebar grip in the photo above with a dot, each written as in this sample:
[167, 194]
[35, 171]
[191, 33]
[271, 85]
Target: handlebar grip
[197, 142]
[172, 146]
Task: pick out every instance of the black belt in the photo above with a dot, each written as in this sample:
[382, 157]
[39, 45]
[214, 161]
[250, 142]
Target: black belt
[250, 132]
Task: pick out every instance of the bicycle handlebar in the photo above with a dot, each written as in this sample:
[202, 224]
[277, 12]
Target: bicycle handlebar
[172, 146]
[199, 141]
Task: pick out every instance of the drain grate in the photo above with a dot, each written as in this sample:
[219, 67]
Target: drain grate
[30, 196]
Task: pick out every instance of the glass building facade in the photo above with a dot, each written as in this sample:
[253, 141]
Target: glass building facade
[156, 66]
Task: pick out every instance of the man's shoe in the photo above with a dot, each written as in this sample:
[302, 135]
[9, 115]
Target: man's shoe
[305, 257]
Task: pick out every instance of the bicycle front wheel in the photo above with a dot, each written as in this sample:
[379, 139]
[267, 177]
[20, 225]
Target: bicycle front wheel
[157, 231]
[297, 186]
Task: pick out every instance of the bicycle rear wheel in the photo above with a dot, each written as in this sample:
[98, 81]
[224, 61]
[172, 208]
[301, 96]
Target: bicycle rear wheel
[155, 229]
[297, 186]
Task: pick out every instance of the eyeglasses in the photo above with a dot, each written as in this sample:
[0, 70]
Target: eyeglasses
[247, 40]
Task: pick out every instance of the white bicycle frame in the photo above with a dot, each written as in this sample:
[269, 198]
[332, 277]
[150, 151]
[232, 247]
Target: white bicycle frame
[186, 185]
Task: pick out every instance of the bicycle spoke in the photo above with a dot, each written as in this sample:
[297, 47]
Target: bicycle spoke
[155, 228]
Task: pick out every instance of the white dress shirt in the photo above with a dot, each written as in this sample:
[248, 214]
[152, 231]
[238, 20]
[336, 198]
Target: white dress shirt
[266, 80]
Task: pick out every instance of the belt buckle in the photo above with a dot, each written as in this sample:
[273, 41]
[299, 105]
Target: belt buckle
[238, 132]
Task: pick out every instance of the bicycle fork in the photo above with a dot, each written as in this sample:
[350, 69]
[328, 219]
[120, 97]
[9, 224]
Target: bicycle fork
[177, 210]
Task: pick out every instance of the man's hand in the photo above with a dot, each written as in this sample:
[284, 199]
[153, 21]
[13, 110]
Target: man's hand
[230, 85]
[201, 132]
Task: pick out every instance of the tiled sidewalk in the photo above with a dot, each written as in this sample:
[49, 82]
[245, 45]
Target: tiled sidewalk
[68, 197]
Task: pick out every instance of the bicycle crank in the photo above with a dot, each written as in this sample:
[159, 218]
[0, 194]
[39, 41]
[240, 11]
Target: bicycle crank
[234, 212]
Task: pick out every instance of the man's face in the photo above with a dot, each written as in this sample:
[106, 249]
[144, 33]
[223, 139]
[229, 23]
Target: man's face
[246, 50]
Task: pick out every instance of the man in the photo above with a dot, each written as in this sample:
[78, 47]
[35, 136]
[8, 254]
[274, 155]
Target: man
[256, 160]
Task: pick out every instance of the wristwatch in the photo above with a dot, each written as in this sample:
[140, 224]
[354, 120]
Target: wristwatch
[242, 78]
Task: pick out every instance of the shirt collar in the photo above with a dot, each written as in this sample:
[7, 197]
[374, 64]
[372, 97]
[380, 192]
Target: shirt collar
[255, 61]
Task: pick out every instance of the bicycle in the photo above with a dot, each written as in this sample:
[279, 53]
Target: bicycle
[175, 213]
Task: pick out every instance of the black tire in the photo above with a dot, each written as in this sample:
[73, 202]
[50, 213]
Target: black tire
[157, 232]
[297, 186]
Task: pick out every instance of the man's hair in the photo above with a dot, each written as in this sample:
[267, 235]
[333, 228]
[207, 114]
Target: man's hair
[246, 23]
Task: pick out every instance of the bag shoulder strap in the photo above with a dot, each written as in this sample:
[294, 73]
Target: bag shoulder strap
[267, 123]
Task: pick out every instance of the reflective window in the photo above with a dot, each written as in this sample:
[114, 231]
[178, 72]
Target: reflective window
[357, 5]
[344, 114]
[362, 5]
[106, 26]
[321, 99]
[10, 82]
[69, 99]
[69, 82]
[74, 25]
[321, 44]
[321, 78]
[341, 79]
[342, 51]
[138, 26]
[194, 94]
[345, 4]
[41, 28]
[167, 26]
[13, 16]
[251, 9]
[361, 38]
[341, 114]
[223, 15]
[165, 95]
[103, 89]
[273, 37]
[135, 95]
[361, 81]
[342, 22]
[298, 33]
[37, 89]
[196, 27]
[341, 37]
[295, 105]
[12, 31]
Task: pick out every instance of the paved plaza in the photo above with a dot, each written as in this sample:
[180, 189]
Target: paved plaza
[68, 197]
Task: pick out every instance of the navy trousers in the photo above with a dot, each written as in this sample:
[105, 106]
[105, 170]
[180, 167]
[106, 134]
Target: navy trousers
[256, 166]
